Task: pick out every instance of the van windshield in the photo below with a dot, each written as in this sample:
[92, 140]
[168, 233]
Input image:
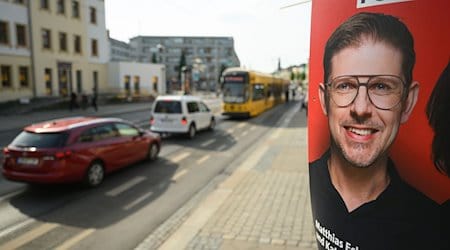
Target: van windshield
[168, 107]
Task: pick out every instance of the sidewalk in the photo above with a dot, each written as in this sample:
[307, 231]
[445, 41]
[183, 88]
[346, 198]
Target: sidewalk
[264, 204]
[15, 122]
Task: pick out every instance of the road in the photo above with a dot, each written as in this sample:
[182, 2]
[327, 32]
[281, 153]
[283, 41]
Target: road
[133, 202]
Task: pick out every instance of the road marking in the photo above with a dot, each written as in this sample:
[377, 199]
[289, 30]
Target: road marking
[74, 240]
[180, 157]
[201, 160]
[241, 125]
[8, 196]
[124, 187]
[207, 143]
[221, 148]
[16, 227]
[29, 236]
[252, 128]
[138, 200]
[244, 133]
[178, 175]
[230, 130]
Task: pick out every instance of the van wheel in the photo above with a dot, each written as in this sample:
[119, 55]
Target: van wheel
[153, 151]
[94, 174]
[192, 131]
[212, 124]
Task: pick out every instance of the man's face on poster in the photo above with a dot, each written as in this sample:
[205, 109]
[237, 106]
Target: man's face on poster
[360, 131]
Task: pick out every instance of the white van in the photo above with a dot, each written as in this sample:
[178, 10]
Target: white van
[181, 114]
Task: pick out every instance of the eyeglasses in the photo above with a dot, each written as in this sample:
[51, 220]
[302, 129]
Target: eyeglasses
[384, 91]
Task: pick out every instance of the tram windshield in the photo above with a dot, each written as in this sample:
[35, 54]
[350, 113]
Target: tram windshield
[235, 89]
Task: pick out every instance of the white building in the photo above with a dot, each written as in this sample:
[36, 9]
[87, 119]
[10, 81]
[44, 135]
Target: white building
[137, 79]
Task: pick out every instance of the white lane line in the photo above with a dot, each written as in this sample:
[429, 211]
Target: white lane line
[138, 200]
[207, 143]
[241, 125]
[230, 130]
[16, 227]
[74, 240]
[244, 133]
[201, 160]
[221, 148]
[8, 196]
[178, 175]
[124, 187]
[29, 236]
[180, 157]
[252, 128]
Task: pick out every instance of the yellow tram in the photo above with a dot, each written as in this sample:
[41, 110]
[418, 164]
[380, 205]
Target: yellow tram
[248, 93]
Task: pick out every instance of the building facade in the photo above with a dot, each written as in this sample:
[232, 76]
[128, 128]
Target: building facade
[50, 48]
[206, 56]
[120, 51]
[15, 51]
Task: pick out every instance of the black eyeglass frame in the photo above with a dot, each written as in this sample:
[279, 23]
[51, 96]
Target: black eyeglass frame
[403, 94]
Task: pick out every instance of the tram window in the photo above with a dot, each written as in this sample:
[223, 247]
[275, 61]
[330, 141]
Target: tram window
[258, 92]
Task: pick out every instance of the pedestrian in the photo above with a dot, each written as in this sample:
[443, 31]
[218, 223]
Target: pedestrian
[73, 101]
[358, 199]
[94, 99]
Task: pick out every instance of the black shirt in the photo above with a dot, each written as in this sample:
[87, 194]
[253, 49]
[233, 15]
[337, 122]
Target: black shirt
[400, 217]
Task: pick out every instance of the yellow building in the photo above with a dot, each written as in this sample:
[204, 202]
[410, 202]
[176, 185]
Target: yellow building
[67, 52]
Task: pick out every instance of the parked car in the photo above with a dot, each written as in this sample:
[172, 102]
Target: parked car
[183, 114]
[76, 149]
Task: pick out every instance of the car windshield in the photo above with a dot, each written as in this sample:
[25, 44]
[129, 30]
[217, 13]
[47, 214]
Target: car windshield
[40, 140]
[168, 107]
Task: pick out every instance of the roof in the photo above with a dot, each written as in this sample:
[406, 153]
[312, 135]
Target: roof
[64, 124]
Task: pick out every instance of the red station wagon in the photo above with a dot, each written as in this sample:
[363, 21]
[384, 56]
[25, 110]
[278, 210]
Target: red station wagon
[77, 149]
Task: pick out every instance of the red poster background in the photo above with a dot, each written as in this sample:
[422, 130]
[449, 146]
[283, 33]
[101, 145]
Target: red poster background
[429, 22]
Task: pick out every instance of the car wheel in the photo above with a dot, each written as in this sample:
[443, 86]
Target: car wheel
[153, 151]
[212, 124]
[94, 174]
[192, 131]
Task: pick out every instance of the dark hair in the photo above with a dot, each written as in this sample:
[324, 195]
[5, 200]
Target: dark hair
[438, 114]
[377, 26]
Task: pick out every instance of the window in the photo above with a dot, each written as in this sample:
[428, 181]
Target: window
[21, 35]
[79, 80]
[62, 41]
[77, 44]
[48, 82]
[46, 39]
[258, 92]
[126, 130]
[94, 49]
[61, 8]
[137, 88]
[193, 107]
[6, 76]
[19, 1]
[44, 5]
[23, 77]
[40, 140]
[93, 15]
[168, 107]
[75, 9]
[4, 36]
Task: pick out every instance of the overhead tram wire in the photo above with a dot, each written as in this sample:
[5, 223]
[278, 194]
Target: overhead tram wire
[295, 4]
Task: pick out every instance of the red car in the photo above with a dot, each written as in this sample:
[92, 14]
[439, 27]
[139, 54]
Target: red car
[77, 149]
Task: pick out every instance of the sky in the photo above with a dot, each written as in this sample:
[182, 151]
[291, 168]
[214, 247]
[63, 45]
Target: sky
[264, 31]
